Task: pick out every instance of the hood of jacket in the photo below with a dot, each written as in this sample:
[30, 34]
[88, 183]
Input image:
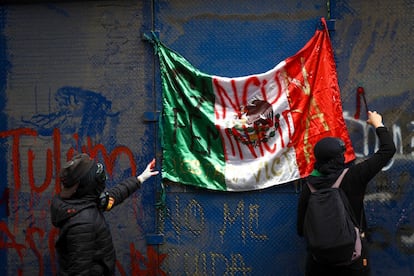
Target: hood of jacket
[326, 173]
[63, 209]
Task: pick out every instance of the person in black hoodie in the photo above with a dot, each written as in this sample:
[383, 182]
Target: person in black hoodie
[330, 163]
[84, 245]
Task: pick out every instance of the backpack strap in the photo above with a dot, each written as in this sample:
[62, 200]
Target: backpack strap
[346, 201]
[339, 180]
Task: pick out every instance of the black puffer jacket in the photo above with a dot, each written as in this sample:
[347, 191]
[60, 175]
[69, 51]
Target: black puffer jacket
[84, 245]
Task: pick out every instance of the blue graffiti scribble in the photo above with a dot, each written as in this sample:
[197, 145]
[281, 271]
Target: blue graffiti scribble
[80, 111]
[342, 8]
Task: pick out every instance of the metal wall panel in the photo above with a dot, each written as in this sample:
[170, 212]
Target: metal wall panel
[251, 233]
[373, 42]
[77, 74]
[75, 81]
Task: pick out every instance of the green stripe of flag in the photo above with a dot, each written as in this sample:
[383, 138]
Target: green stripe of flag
[192, 147]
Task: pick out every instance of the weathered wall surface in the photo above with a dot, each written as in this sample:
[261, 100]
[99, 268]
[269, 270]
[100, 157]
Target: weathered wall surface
[77, 76]
[74, 79]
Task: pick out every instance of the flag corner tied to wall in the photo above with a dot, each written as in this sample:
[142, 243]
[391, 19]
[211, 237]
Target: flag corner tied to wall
[252, 132]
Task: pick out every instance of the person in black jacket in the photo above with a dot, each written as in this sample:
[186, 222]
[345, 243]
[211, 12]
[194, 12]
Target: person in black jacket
[330, 162]
[84, 245]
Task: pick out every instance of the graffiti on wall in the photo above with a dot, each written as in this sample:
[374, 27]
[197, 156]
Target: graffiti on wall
[187, 219]
[84, 121]
[79, 125]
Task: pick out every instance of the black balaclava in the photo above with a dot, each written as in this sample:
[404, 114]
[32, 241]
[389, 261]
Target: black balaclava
[330, 161]
[92, 184]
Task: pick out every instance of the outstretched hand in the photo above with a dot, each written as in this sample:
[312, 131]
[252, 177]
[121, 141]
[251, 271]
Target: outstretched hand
[148, 172]
[374, 119]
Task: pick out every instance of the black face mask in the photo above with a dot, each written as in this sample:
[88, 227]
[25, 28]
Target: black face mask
[93, 184]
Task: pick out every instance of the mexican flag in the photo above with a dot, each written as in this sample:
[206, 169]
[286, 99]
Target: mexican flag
[252, 132]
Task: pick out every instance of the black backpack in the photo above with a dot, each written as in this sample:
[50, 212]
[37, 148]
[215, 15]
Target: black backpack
[330, 227]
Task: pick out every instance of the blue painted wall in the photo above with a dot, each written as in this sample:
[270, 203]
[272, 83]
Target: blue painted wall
[76, 75]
